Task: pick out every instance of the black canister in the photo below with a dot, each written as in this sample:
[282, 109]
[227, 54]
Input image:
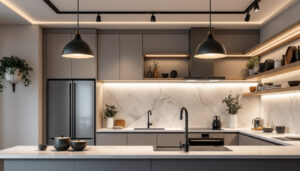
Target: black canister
[173, 74]
[216, 123]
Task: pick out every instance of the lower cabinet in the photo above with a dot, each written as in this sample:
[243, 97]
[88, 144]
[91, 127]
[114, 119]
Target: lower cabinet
[141, 139]
[170, 139]
[247, 140]
[111, 139]
[231, 139]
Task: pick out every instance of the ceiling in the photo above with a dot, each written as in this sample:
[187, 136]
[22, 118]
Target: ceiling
[37, 12]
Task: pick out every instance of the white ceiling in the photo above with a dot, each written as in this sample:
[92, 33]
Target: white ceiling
[8, 16]
[37, 12]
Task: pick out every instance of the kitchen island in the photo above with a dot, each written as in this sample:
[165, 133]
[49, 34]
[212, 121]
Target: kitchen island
[144, 158]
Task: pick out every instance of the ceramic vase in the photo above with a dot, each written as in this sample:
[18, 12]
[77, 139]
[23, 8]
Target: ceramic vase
[109, 122]
[255, 69]
[233, 121]
[13, 78]
[155, 73]
[251, 72]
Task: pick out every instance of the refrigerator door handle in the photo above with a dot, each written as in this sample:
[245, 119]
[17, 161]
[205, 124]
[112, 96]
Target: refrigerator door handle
[74, 111]
[70, 106]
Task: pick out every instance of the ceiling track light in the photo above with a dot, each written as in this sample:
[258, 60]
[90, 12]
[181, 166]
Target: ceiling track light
[98, 18]
[247, 18]
[153, 18]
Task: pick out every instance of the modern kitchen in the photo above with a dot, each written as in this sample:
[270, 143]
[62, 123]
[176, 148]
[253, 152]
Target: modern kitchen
[154, 85]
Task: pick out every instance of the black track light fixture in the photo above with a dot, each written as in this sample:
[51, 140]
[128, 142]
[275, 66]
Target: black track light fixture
[247, 18]
[256, 7]
[98, 18]
[153, 18]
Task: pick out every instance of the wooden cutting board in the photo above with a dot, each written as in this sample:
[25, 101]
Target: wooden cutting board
[290, 54]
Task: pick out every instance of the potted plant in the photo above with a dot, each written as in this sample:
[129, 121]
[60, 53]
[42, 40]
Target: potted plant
[233, 105]
[14, 70]
[253, 65]
[109, 113]
[155, 70]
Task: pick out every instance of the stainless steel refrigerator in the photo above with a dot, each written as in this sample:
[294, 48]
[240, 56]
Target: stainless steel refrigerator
[71, 109]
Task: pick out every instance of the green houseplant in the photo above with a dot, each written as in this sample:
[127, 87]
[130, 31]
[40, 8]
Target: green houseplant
[233, 106]
[110, 112]
[14, 69]
[253, 65]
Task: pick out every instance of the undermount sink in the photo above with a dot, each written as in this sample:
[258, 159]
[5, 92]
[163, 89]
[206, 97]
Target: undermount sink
[191, 148]
[149, 129]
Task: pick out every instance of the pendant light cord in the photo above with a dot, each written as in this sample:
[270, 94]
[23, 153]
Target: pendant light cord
[77, 16]
[209, 16]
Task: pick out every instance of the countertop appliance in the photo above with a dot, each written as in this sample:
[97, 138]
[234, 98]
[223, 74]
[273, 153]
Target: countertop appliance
[71, 109]
[257, 122]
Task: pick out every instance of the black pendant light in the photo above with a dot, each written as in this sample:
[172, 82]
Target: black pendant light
[77, 48]
[210, 48]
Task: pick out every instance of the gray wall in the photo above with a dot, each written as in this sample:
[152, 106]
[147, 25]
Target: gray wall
[280, 22]
[20, 112]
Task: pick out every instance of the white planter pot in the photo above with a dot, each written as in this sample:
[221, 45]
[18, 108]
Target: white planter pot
[13, 78]
[109, 122]
[255, 70]
[251, 72]
[233, 121]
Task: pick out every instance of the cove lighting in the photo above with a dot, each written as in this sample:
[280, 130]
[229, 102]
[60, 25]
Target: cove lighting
[281, 95]
[167, 55]
[292, 33]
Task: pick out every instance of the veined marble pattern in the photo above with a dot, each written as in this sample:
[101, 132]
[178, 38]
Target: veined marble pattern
[282, 110]
[203, 101]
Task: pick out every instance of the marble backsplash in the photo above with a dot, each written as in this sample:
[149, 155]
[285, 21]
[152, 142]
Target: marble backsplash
[203, 101]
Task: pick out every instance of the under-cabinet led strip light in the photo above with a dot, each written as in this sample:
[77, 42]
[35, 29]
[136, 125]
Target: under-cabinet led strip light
[290, 34]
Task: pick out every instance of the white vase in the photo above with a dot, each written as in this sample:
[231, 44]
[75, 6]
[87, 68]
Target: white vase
[13, 78]
[251, 72]
[255, 70]
[109, 122]
[233, 121]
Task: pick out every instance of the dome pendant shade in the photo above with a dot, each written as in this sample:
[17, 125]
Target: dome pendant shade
[210, 49]
[78, 49]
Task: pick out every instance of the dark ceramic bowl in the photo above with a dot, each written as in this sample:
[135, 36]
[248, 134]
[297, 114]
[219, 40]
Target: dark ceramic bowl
[268, 129]
[42, 147]
[61, 143]
[78, 145]
[294, 83]
[280, 129]
[165, 75]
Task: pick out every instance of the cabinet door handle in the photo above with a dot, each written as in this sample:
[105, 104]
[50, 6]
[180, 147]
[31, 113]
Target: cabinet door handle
[70, 108]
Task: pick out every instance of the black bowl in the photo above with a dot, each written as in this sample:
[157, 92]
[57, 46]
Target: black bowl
[165, 75]
[268, 129]
[78, 145]
[42, 147]
[280, 129]
[294, 83]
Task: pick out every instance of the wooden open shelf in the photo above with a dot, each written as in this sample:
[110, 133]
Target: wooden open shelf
[276, 72]
[274, 91]
[158, 79]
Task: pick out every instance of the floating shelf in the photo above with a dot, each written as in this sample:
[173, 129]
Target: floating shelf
[163, 79]
[276, 72]
[274, 91]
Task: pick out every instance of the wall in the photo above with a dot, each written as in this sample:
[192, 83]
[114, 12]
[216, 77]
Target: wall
[203, 100]
[284, 19]
[20, 112]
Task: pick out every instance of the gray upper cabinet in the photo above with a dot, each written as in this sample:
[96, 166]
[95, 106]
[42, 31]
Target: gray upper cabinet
[57, 67]
[174, 42]
[120, 57]
[86, 68]
[131, 57]
[109, 59]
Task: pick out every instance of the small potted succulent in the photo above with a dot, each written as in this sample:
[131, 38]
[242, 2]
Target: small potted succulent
[253, 65]
[233, 104]
[109, 114]
[14, 70]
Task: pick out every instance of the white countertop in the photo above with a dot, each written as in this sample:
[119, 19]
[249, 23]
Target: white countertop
[291, 151]
[166, 130]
